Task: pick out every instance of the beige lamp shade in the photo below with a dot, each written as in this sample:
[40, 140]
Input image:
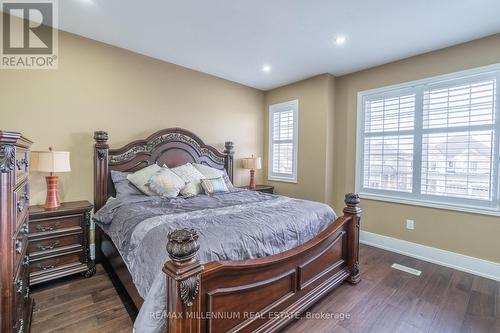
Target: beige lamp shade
[50, 161]
[252, 163]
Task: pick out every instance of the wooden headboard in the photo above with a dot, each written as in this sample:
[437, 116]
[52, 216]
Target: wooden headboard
[171, 146]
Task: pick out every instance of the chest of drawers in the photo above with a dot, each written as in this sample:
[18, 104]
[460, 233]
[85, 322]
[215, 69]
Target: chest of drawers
[16, 304]
[59, 241]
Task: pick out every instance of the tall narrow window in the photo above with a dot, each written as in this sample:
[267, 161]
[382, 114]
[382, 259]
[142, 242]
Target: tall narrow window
[388, 142]
[283, 132]
[435, 140]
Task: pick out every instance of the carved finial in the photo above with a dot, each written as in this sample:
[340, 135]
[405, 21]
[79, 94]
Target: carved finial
[229, 147]
[182, 244]
[100, 136]
[352, 199]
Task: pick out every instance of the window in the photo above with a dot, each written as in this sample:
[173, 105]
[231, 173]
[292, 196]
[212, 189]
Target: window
[432, 141]
[283, 130]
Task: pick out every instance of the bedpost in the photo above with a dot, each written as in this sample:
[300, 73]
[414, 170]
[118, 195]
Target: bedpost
[100, 169]
[183, 282]
[228, 161]
[100, 182]
[352, 210]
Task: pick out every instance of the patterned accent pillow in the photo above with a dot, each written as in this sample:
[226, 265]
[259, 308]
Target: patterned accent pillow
[166, 183]
[214, 185]
[191, 177]
[210, 172]
[141, 178]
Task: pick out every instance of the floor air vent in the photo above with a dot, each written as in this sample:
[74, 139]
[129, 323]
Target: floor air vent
[407, 269]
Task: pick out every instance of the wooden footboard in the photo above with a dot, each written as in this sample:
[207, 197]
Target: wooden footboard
[258, 295]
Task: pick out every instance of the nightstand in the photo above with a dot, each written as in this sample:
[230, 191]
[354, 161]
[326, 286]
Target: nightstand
[261, 188]
[58, 242]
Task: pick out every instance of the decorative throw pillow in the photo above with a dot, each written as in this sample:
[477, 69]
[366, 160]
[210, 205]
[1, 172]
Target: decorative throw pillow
[191, 177]
[210, 172]
[122, 185]
[166, 183]
[141, 178]
[214, 185]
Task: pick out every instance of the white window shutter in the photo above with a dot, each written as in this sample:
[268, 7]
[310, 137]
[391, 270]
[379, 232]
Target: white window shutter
[283, 136]
[432, 141]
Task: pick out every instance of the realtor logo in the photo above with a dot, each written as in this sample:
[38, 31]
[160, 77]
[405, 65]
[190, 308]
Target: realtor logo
[29, 34]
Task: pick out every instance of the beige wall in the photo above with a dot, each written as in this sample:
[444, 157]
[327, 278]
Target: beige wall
[316, 103]
[102, 87]
[98, 86]
[471, 234]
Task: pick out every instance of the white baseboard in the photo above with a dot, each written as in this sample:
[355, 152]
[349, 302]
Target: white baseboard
[480, 267]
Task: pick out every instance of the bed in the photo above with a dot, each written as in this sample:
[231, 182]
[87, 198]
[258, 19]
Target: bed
[242, 261]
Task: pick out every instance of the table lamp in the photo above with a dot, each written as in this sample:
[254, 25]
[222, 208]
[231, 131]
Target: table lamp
[252, 163]
[51, 161]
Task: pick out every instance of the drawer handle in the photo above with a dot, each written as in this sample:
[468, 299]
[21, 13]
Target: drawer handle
[24, 199]
[19, 284]
[27, 293]
[24, 228]
[48, 247]
[20, 206]
[49, 228]
[19, 163]
[21, 326]
[44, 268]
[26, 260]
[19, 246]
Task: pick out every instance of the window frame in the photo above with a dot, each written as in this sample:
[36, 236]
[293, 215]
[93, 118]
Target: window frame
[281, 107]
[416, 197]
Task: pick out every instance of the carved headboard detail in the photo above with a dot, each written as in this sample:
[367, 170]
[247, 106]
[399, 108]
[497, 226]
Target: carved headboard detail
[171, 146]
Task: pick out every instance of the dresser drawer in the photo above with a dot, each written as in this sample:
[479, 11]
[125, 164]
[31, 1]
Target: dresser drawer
[55, 224]
[21, 292]
[19, 324]
[49, 245]
[53, 263]
[22, 164]
[21, 202]
[20, 244]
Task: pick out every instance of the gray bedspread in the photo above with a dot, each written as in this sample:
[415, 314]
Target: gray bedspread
[236, 225]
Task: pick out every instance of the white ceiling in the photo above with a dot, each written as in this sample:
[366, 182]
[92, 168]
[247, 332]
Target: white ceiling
[233, 39]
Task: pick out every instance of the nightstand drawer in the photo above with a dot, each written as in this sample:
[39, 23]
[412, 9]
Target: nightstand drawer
[52, 263]
[49, 245]
[55, 224]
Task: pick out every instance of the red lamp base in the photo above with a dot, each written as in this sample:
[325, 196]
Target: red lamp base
[252, 180]
[52, 200]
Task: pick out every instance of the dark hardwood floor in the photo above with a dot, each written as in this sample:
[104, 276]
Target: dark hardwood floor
[387, 300]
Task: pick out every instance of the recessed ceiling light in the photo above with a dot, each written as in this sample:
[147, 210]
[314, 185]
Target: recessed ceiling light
[266, 68]
[339, 40]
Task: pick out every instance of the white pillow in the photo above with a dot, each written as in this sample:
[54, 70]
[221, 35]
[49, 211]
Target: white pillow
[141, 178]
[210, 172]
[192, 177]
[207, 171]
[166, 183]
